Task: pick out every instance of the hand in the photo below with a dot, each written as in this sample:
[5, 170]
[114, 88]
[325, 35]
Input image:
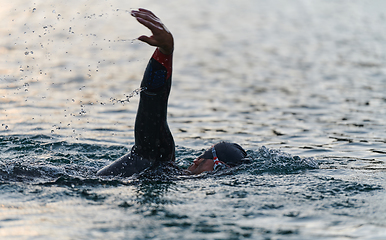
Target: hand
[161, 37]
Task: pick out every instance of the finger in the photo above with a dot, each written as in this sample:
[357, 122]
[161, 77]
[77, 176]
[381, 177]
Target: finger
[146, 11]
[148, 40]
[147, 16]
[150, 25]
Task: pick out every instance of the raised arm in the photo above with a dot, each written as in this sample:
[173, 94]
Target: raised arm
[153, 139]
[154, 143]
[161, 38]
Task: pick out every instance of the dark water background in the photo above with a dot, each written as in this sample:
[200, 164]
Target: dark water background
[300, 84]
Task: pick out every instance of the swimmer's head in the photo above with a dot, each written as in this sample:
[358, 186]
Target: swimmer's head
[220, 155]
[231, 154]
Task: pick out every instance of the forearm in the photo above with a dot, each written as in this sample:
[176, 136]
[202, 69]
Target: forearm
[153, 139]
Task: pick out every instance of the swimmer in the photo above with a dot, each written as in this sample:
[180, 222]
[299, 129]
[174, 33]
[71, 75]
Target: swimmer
[154, 143]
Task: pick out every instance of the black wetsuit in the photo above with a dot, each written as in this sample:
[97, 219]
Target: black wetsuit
[154, 142]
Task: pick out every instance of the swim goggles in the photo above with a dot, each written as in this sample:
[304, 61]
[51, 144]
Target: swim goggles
[217, 163]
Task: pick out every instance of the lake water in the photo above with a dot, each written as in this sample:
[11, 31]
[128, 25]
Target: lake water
[300, 84]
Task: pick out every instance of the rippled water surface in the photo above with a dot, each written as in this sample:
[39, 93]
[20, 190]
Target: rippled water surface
[300, 84]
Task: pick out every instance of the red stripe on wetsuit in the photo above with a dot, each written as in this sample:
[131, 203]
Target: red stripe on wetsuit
[165, 60]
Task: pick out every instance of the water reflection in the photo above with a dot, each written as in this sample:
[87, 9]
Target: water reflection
[306, 77]
[150, 192]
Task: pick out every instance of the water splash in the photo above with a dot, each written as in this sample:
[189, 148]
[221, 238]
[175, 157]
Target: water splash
[129, 96]
[277, 161]
[127, 40]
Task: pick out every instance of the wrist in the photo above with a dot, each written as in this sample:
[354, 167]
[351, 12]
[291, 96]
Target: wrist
[168, 46]
[165, 51]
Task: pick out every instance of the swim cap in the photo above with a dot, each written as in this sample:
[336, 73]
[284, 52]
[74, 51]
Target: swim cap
[231, 154]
